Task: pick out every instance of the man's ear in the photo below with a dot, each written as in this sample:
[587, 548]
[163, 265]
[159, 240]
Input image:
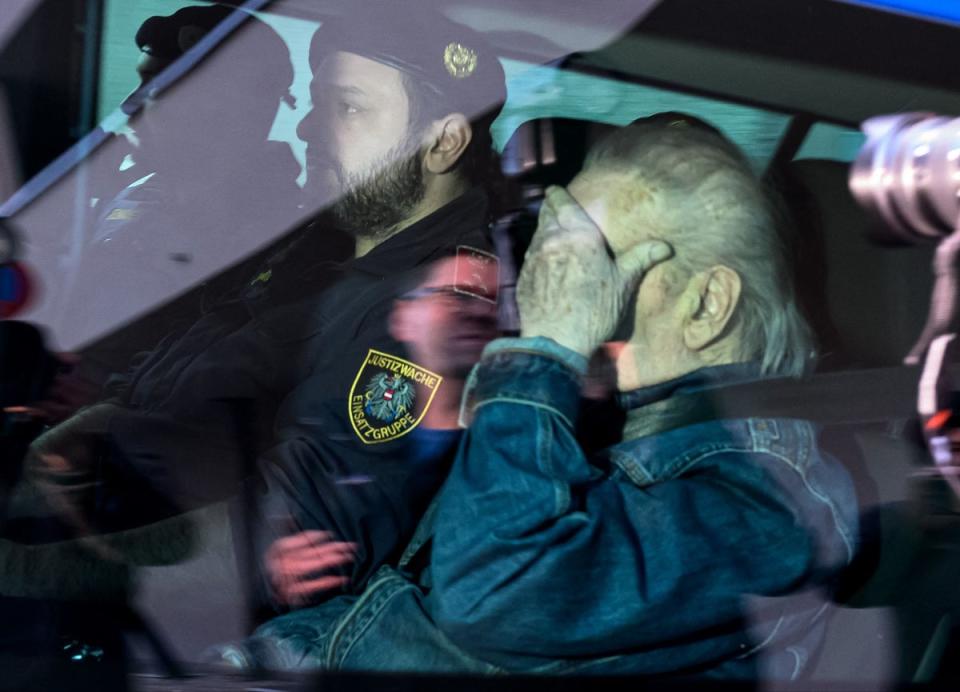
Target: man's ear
[449, 137]
[714, 299]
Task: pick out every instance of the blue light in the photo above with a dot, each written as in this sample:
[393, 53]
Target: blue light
[941, 10]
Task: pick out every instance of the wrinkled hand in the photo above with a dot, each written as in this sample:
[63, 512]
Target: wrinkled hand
[296, 565]
[571, 289]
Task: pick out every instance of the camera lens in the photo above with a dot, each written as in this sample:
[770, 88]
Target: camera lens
[908, 175]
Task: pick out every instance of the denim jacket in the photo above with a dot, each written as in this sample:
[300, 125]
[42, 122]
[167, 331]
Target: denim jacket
[695, 549]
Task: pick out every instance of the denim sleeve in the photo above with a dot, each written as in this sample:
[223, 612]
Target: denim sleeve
[539, 554]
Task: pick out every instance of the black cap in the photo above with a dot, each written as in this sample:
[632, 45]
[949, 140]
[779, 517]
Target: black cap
[160, 36]
[450, 59]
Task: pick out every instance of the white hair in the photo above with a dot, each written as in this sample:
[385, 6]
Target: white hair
[715, 211]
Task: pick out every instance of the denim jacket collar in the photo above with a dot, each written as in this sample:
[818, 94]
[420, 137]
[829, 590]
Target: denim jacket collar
[673, 404]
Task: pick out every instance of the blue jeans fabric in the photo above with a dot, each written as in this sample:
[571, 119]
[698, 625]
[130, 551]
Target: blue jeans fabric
[693, 550]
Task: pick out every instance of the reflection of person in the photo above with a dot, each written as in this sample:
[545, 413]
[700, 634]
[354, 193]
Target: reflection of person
[639, 559]
[162, 40]
[206, 185]
[444, 324]
[194, 160]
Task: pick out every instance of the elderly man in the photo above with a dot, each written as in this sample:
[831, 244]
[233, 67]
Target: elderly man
[648, 552]
[687, 548]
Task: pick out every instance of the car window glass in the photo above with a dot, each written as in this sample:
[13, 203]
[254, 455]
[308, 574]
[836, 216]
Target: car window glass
[826, 141]
[536, 91]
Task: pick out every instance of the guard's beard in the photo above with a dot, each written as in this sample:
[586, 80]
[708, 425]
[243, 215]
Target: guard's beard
[373, 204]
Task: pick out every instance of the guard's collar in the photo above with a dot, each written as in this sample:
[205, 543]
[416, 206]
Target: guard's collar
[460, 222]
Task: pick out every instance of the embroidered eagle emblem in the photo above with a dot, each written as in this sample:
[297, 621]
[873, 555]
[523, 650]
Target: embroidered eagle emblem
[388, 397]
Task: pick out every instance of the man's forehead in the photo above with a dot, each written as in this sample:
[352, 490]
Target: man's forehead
[609, 186]
[614, 200]
[351, 72]
[594, 193]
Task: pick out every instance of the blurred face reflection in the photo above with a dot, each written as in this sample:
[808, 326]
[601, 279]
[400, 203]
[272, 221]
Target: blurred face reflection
[444, 327]
[360, 149]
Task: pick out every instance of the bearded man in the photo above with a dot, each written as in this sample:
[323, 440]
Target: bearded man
[391, 135]
[399, 137]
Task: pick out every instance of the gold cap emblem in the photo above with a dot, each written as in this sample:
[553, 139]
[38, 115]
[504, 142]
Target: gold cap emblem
[459, 60]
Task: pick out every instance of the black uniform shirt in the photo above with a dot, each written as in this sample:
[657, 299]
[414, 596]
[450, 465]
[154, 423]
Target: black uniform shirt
[254, 378]
[341, 464]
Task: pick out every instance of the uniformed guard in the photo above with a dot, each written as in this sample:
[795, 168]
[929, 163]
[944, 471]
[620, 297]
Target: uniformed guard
[398, 139]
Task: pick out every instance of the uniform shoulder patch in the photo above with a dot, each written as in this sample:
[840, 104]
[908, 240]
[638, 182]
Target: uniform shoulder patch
[383, 399]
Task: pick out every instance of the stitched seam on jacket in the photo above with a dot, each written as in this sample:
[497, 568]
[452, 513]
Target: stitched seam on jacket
[561, 491]
[690, 463]
[804, 441]
[349, 621]
[503, 390]
[632, 468]
[390, 591]
[678, 464]
[535, 353]
[524, 402]
[370, 613]
[834, 512]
